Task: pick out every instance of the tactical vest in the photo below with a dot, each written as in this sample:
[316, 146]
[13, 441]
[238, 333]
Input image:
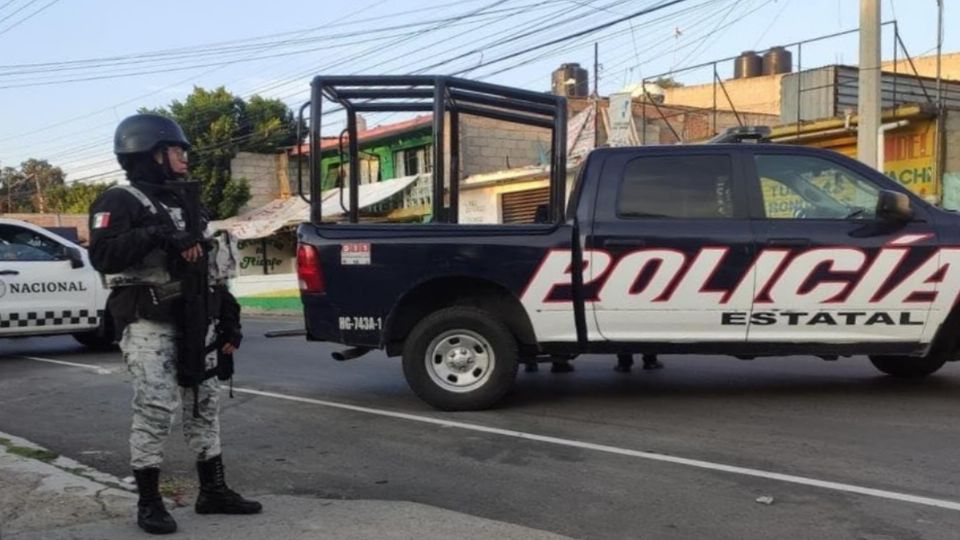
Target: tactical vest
[152, 270]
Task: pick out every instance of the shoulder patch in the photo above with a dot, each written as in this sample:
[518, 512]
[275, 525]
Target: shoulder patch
[101, 220]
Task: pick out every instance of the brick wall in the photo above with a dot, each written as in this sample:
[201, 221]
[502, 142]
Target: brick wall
[77, 221]
[493, 145]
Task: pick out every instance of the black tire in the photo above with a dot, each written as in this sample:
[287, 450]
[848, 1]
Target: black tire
[101, 339]
[909, 367]
[475, 373]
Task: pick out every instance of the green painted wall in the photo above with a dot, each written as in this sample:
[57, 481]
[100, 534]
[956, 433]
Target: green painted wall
[384, 149]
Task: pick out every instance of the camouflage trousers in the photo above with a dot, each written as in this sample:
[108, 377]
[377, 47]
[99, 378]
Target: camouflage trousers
[149, 349]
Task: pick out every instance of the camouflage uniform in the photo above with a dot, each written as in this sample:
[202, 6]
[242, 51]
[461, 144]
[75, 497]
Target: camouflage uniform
[149, 349]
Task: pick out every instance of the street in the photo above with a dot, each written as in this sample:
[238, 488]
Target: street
[685, 452]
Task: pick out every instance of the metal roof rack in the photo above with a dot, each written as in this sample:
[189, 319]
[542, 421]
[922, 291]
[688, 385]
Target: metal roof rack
[444, 97]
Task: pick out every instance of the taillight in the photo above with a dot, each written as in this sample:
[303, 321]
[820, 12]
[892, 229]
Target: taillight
[308, 269]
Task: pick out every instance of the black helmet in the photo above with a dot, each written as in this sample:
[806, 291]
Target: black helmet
[144, 132]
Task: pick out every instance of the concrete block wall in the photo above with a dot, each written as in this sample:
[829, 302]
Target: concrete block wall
[493, 145]
[951, 141]
[756, 94]
[262, 172]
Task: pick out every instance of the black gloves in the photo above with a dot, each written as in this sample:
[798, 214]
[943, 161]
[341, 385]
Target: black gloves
[180, 241]
[170, 239]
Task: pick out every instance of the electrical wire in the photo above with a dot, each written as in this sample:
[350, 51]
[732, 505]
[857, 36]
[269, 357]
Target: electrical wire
[28, 17]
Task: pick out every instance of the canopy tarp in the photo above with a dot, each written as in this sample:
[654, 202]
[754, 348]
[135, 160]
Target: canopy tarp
[278, 214]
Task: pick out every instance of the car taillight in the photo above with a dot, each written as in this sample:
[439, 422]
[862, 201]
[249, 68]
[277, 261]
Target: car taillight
[308, 269]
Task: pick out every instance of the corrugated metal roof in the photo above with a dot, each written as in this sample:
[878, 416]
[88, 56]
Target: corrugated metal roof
[379, 132]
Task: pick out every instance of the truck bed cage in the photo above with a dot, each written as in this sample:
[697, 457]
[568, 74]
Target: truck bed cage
[445, 97]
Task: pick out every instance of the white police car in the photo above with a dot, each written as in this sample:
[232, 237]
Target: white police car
[48, 287]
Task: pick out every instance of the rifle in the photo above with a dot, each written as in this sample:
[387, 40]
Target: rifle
[194, 322]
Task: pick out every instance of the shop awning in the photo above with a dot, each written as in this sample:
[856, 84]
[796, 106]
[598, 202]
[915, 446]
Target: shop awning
[282, 213]
[368, 195]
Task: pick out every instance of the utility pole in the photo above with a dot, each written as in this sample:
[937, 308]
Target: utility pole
[868, 102]
[40, 202]
[939, 54]
[596, 94]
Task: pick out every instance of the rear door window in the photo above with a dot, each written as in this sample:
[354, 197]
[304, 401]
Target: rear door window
[677, 187]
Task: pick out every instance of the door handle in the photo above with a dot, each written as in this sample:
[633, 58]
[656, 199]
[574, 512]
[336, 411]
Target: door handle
[9, 273]
[624, 243]
[789, 242]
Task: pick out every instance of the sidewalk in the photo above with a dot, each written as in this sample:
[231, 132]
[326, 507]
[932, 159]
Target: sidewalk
[44, 497]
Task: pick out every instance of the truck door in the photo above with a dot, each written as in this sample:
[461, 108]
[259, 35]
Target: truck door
[40, 290]
[832, 272]
[672, 231]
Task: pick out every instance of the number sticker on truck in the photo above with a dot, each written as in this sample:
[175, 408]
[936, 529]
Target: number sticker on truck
[361, 323]
[355, 254]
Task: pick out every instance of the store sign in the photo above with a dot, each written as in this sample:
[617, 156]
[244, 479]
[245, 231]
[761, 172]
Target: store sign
[278, 256]
[909, 155]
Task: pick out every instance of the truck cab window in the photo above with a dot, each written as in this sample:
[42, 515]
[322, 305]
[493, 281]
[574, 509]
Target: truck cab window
[802, 187]
[688, 187]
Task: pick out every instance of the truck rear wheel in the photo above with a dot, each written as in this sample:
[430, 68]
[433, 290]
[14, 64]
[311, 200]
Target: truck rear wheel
[460, 359]
[909, 367]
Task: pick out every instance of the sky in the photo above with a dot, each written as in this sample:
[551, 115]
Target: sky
[70, 70]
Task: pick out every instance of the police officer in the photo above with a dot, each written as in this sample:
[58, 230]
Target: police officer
[138, 236]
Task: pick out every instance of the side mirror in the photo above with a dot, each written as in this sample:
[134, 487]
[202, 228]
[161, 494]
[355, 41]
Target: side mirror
[894, 206]
[75, 256]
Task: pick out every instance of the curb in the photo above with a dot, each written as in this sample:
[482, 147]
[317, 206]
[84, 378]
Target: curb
[65, 464]
[44, 492]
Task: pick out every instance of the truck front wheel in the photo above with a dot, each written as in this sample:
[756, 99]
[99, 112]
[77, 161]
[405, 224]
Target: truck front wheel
[460, 359]
[909, 367]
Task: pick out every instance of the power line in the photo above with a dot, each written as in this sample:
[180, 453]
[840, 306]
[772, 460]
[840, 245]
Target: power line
[28, 17]
[23, 7]
[561, 40]
[186, 80]
[495, 43]
[705, 38]
[588, 31]
[437, 27]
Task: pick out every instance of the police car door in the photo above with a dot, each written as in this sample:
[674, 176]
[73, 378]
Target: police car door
[830, 271]
[672, 230]
[40, 289]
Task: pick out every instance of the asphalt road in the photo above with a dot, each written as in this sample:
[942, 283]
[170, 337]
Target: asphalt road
[680, 453]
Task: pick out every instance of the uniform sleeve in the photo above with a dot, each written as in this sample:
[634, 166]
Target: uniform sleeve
[117, 240]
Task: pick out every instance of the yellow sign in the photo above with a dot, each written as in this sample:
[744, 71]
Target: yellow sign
[909, 157]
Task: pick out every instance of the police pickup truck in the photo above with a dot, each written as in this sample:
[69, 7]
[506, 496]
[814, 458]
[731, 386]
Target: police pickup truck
[746, 250]
[48, 287]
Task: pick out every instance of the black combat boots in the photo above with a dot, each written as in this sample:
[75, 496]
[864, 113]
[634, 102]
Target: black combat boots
[152, 516]
[215, 497]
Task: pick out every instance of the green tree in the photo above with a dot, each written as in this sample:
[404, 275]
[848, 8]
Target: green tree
[28, 188]
[668, 82]
[220, 124]
[75, 198]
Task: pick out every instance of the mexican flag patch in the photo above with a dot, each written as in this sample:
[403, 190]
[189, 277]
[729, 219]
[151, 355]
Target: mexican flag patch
[101, 220]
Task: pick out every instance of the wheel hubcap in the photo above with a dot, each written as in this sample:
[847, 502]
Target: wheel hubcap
[459, 360]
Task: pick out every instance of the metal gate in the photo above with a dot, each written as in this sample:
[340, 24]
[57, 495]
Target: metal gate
[521, 206]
